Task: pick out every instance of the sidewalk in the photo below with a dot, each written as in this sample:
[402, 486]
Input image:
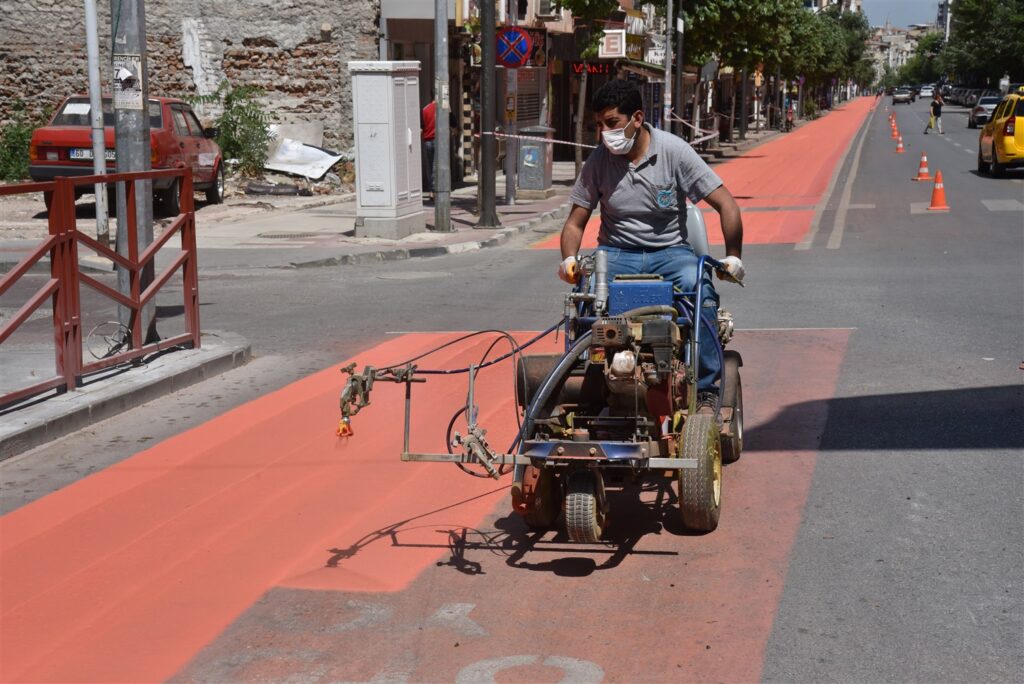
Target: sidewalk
[253, 232]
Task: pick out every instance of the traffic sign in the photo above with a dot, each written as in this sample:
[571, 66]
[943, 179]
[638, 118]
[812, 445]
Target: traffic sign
[514, 47]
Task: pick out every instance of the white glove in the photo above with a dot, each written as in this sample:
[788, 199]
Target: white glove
[734, 270]
[568, 270]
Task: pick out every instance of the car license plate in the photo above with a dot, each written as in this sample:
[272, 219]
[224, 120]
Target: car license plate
[86, 153]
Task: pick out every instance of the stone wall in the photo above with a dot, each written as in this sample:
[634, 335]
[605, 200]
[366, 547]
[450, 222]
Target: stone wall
[296, 51]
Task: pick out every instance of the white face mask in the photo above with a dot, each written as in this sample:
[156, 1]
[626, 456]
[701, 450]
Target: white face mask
[617, 142]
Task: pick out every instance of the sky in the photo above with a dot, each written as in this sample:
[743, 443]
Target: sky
[901, 13]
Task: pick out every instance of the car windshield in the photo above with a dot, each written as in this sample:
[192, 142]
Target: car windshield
[75, 112]
[989, 101]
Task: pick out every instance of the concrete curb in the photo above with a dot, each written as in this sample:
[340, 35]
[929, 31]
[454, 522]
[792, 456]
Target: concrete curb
[163, 373]
[403, 253]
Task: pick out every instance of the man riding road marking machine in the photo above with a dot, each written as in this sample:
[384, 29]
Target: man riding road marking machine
[620, 403]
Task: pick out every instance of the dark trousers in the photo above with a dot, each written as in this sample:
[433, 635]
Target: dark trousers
[428, 166]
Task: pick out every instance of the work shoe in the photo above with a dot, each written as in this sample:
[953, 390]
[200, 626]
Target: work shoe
[707, 403]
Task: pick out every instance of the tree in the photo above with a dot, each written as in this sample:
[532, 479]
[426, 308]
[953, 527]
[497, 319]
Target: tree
[986, 41]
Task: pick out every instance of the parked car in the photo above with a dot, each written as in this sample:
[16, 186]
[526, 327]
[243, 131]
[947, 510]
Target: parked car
[903, 95]
[1001, 141]
[177, 140]
[981, 112]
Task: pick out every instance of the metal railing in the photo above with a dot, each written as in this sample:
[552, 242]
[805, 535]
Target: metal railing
[65, 281]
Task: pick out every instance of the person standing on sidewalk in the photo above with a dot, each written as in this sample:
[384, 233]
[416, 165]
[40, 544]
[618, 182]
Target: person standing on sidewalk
[640, 177]
[428, 121]
[935, 120]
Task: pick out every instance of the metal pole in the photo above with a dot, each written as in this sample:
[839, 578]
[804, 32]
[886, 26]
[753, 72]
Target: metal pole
[666, 116]
[511, 114]
[743, 104]
[442, 111]
[131, 131]
[680, 76]
[99, 152]
[486, 175]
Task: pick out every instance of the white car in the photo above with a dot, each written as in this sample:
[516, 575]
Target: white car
[927, 91]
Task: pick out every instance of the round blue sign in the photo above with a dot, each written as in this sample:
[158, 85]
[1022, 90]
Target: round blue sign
[514, 47]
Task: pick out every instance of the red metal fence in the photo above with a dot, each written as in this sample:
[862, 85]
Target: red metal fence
[63, 286]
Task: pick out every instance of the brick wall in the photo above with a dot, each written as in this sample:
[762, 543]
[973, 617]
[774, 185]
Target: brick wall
[296, 51]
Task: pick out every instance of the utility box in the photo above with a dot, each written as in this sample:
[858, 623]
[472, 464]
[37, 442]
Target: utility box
[386, 114]
[535, 159]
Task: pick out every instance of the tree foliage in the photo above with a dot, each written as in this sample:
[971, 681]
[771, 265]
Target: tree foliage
[243, 132]
[986, 41]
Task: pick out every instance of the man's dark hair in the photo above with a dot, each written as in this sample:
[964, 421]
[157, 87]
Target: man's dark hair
[623, 95]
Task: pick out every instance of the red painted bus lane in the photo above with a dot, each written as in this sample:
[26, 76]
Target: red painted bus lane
[128, 574]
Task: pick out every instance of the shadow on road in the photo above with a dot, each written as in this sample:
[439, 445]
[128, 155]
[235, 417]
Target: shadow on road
[982, 418]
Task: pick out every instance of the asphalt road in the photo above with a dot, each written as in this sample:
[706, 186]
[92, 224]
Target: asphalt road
[871, 532]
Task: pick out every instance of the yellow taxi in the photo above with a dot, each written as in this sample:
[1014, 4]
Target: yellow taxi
[1001, 143]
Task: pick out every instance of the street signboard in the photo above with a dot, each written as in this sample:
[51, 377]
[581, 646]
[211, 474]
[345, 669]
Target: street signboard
[613, 44]
[514, 47]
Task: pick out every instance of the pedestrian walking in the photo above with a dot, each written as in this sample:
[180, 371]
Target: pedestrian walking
[428, 119]
[935, 119]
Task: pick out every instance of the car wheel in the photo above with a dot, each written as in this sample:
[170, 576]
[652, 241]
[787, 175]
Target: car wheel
[215, 193]
[171, 198]
[983, 165]
[970, 123]
[998, 170]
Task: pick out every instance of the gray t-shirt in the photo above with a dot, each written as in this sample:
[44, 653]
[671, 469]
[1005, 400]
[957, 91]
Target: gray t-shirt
[640, 203]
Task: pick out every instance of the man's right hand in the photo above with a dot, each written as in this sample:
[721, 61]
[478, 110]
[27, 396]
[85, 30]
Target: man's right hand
[568, 270]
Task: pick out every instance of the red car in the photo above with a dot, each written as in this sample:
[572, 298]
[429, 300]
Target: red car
[177, 140]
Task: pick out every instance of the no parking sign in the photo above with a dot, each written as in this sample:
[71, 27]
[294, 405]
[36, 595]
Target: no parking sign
[514, 47]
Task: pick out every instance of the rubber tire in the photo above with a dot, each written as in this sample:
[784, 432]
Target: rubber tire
[584, 519]
[732, 396]
[170, 197]
[970, 123]
[998, 170]
[697, 501]
[984, 167]
[215, 193]
[547, 504]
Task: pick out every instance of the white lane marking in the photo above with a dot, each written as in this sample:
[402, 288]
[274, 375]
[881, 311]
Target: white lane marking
[787, 329]
[1003, 205]
[455, 616]
[836, 238]
[573, 670]
[808, 240]
[862, 206]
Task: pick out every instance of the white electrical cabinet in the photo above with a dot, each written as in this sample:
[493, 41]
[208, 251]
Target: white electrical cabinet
[386, 114]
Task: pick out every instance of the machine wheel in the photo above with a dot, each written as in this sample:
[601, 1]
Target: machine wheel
[215, 193]
[584, 515]
[700, 488]
[732, 397]
[547, 501]
[983, 166]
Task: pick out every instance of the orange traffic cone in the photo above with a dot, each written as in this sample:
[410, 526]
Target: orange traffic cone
[922, 169]
[895, 132]
[899, 145]
[938, 195]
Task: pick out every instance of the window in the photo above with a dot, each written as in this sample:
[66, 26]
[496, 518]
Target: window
[1020, 107]
[180, 125]
[75, 112]
[193, 123]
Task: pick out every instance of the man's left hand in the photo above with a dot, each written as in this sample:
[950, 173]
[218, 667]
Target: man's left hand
[734, 270]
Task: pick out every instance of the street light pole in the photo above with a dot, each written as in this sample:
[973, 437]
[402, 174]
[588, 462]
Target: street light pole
[99, 152]
[131, 131]
[666, 116]
[486, 174]
[442, 114]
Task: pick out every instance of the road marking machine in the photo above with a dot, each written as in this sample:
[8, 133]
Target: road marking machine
[619, 404]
